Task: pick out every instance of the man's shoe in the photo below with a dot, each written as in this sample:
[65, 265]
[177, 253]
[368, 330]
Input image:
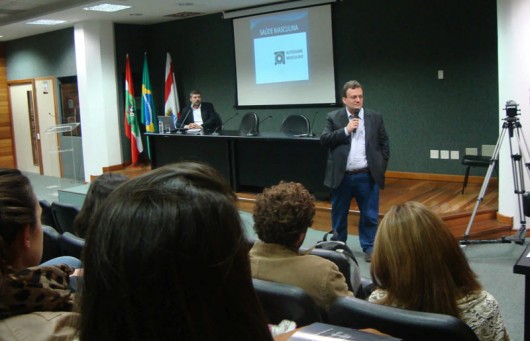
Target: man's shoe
[368, 257]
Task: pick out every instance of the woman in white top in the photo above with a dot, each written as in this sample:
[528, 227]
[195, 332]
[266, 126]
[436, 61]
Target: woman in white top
[418, 265]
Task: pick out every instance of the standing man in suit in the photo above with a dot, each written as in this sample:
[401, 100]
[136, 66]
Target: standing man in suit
[199, 115]
[357, 160]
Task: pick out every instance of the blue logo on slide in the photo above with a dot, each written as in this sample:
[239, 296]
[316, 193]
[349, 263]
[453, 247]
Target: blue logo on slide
[279, 57]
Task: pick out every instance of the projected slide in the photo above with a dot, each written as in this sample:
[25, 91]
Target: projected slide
[285, 58]
[280, 48]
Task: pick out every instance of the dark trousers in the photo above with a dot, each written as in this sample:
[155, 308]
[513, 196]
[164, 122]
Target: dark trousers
[366, 193]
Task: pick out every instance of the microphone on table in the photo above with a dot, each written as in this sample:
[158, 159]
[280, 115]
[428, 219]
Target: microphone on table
[228, 120]
[180, 129]
[214, 132]
[266, 118]
[311, 134]
[355, 115]
[256, 132]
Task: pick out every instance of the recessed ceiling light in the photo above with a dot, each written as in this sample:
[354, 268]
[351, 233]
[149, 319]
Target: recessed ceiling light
[106, 8]
[46, 22]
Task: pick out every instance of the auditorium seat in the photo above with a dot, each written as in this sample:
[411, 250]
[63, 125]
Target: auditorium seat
[51, 247]
[286, 302]
[46, 216]
[72, 245]
[409, 325]
[357, 284]
[64, 215]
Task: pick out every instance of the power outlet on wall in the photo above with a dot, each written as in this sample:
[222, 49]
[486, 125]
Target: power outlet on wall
[435, 154]
[444, 154]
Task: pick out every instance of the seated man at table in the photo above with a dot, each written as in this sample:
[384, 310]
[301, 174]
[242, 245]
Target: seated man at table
[282, 215]
[199, 115]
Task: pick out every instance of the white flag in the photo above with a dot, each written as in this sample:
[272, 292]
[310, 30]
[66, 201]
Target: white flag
[171, 100]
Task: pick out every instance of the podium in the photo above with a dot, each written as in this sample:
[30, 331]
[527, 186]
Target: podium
[66, 129]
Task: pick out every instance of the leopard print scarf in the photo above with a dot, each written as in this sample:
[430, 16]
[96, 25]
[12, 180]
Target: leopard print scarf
[36, 289]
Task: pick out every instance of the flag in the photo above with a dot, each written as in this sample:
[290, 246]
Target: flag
[171, 100]
[132, 130]
[148, 110]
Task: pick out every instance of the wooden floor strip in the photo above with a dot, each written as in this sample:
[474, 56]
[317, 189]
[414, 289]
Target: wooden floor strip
[443, 197]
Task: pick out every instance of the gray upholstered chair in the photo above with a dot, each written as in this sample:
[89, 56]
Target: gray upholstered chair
[63, 216]
[283, 301]
[409, 325]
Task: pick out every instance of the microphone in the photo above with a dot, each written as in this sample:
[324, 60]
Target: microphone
[184, 120]
[355, 115]
[311, 134]
[214, 132]
[228, 120]
[266, 118]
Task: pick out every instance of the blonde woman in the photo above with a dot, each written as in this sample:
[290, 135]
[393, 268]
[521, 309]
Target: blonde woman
[418, 265]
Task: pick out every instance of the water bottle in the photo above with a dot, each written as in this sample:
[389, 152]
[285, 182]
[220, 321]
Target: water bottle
[160, 127]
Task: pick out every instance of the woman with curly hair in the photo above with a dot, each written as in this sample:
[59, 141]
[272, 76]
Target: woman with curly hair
[418, 265]
[282, 215]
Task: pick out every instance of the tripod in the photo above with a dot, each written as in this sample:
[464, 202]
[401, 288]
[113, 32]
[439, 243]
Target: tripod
[513, 126]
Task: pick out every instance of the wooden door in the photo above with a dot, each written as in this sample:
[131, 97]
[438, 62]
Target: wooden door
[25, 127]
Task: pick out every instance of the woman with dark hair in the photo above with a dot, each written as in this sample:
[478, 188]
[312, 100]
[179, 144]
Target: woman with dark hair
[166, 259]
[99, 189]
[26, 287]
[418, 265]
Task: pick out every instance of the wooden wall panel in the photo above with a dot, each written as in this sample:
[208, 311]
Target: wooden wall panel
[7, 158]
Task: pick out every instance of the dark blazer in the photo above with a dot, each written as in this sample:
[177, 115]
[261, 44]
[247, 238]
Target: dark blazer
[334, 138]
[211, 120]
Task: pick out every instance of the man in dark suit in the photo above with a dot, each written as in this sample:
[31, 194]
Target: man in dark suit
[199, 115]
[357, 160]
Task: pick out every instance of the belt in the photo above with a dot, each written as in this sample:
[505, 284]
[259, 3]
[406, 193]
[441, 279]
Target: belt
[357, 171]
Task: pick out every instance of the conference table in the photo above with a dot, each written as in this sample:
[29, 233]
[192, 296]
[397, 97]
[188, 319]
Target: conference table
[249, 163]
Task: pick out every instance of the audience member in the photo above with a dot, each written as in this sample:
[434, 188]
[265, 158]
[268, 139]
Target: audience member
[418, 265]
[166, 259]
[28, 292]
[99, 189]
[282, 215]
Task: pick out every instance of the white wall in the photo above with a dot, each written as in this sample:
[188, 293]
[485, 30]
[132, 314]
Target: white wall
[514, 84]
[98, 96]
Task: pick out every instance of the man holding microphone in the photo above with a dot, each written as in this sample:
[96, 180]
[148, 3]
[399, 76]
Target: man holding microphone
[357, 160]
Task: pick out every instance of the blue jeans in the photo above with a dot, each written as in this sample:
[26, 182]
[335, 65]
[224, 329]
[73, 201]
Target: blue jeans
[366, 193]
[68, 260]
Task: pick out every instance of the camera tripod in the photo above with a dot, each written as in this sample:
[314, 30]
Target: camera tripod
[513, 127]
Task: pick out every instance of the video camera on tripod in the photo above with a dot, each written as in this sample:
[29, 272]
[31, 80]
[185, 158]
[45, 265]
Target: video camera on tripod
[512, 109]
[520, 161]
